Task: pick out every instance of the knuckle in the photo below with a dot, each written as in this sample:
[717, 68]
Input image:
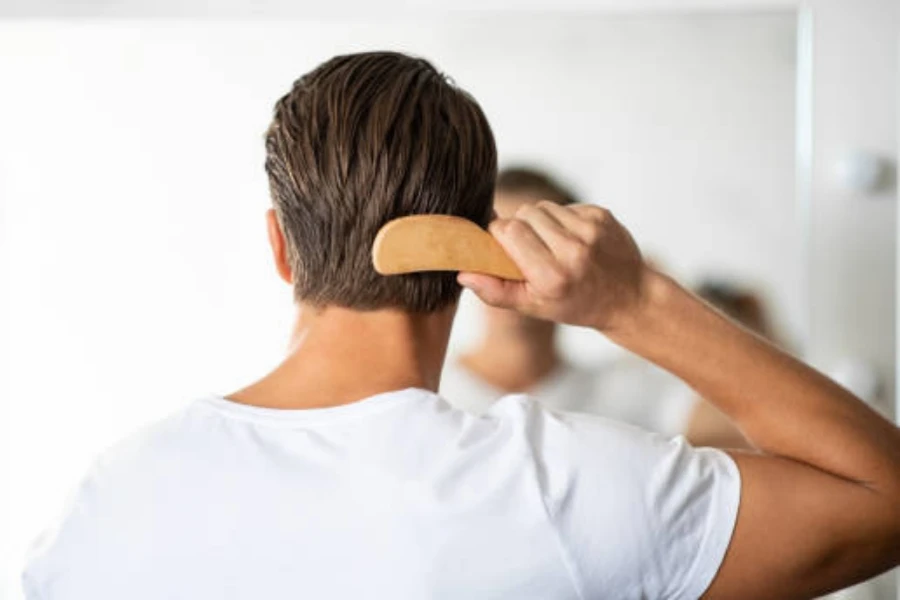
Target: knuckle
[525, 210]
[546, 204]
[580, 254]
[594, 230]
[517, 227]
[602, 214]
[498, 226]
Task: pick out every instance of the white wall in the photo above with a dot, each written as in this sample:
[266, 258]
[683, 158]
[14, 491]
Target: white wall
[853, 238]
[856, 87]
[307, 9]
[132, 192]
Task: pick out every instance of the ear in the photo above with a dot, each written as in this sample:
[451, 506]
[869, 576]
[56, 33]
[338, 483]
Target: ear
[279, 247]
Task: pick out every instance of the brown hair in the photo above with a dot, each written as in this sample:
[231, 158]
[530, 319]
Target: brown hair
[534, 183]
[358, 141]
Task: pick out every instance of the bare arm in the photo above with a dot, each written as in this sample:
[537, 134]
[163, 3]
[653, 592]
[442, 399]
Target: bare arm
[709, 426]
[820, 507]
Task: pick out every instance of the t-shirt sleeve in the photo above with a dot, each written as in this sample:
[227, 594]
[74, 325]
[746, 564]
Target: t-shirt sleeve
[637, 515]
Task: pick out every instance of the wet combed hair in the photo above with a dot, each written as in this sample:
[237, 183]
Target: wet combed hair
[534, 183]
[358, 141]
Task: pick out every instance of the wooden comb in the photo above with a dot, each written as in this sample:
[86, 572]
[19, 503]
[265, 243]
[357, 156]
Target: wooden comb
[439, 243]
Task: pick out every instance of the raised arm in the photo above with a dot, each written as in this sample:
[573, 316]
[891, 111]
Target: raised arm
[820, 507]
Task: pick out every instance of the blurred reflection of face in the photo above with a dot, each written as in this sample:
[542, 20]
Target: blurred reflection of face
[498, 319]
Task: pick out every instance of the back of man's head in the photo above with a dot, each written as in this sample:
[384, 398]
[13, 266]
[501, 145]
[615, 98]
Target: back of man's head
[358, 141]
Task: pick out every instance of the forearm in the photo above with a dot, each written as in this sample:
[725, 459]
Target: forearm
[783, 407]
[708, 426]
[819, 505]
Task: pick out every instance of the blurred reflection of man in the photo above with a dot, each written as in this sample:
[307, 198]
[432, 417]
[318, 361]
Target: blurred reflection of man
[518, 353]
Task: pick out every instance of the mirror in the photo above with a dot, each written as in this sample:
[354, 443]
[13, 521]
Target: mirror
[132, 184]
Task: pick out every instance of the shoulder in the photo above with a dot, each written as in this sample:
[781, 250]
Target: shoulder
[114, 498]
[670, 508]
[559, 431]
[155, 452]
[569, 446]
[603, 451]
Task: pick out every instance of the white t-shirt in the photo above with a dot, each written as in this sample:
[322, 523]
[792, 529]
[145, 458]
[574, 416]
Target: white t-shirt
[626, 389]
[397, 496]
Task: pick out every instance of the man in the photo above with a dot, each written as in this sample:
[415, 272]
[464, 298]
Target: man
[342, 474]
[517, 353]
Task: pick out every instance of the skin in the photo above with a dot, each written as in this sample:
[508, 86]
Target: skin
[409, 353]
[517, 352]
[820, 502]
[709, 426]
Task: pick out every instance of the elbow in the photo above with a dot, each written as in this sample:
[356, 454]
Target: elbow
[892, 528]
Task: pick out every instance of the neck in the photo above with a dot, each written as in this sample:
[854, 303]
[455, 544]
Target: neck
[338, 356]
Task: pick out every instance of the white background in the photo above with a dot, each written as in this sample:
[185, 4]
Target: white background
[852, 267]
[133, 190]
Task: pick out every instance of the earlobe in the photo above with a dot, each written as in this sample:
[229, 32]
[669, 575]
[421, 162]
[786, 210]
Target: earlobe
[279, 246]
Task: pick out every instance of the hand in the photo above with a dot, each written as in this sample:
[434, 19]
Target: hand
[581, 267]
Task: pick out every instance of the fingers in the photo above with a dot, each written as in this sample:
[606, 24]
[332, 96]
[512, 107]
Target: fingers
[558, 226]
[551, 244]
[569, 234]
[582, 220]
[524, 246]
[535, 235]
[545, 224]
[497, 292]
[597, 218]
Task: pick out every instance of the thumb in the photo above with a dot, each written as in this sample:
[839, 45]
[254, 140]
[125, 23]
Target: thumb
[501, 293]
